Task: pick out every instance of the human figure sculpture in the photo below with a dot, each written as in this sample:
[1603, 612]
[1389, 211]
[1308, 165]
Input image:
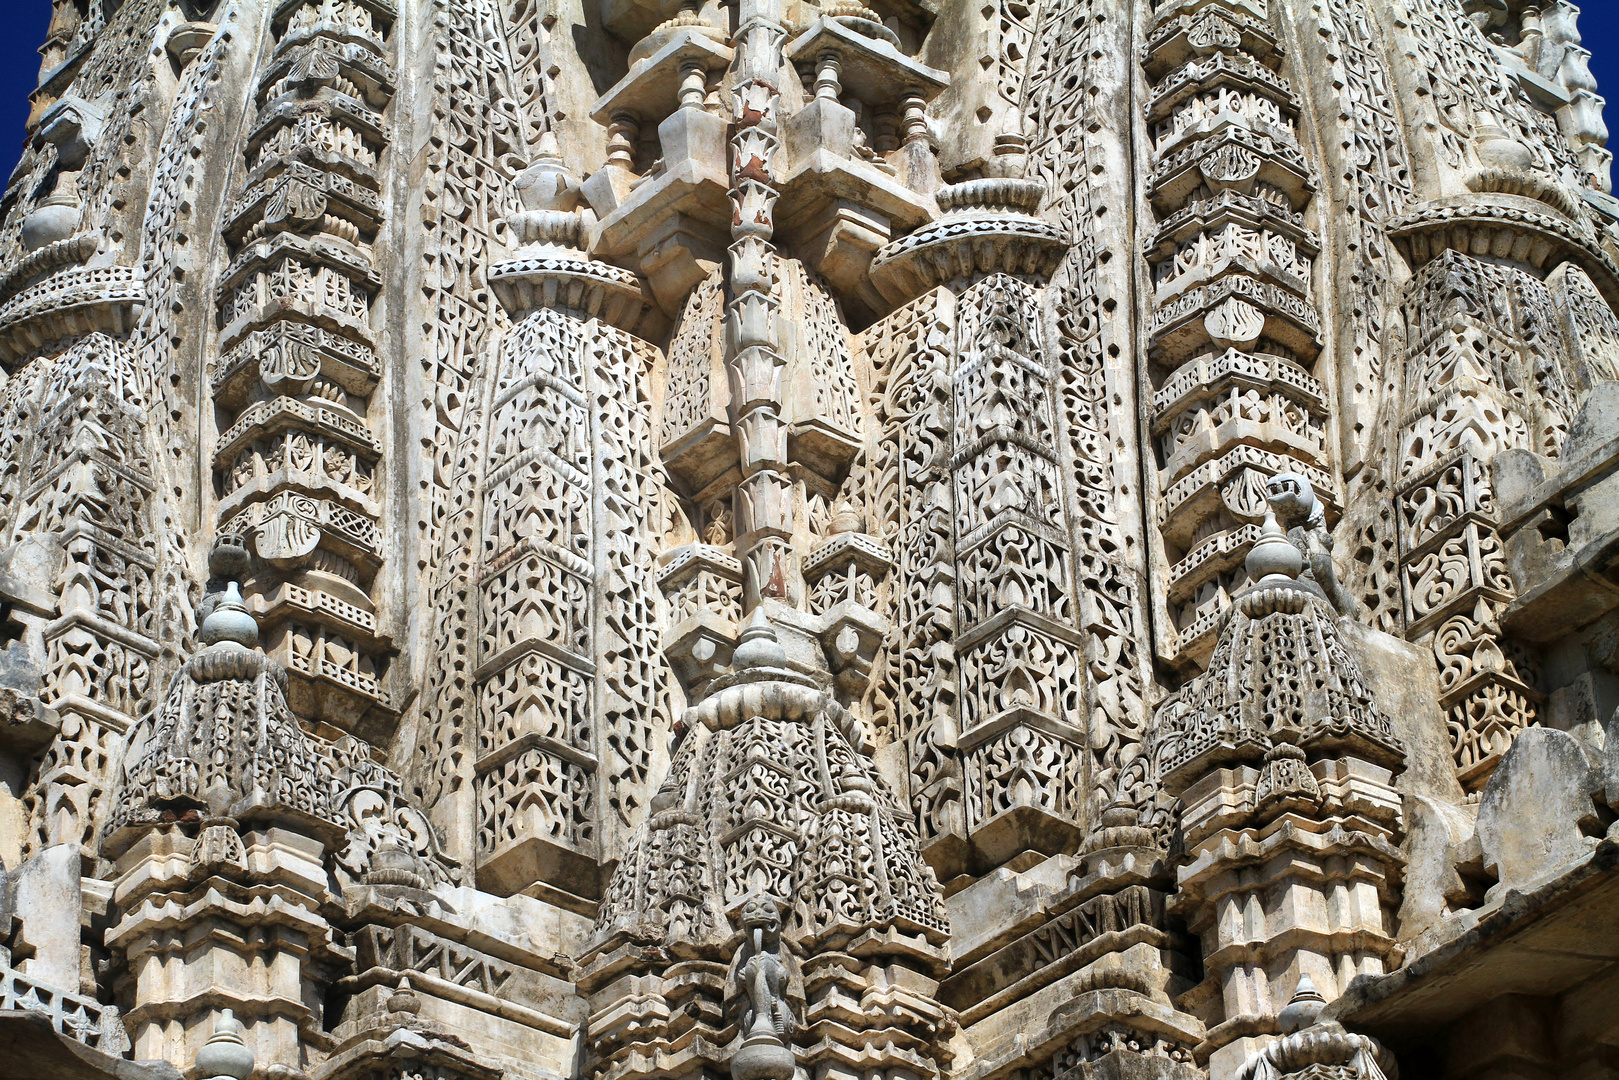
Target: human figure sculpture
[1305, 518]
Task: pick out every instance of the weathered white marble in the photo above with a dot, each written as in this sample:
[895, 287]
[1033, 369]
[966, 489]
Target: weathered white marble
[619, 539]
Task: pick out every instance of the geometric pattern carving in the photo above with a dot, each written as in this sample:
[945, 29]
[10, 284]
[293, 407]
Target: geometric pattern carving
[700, 483]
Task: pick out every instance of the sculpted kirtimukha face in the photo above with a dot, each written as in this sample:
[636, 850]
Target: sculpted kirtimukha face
[1291, 496]
[760, 912]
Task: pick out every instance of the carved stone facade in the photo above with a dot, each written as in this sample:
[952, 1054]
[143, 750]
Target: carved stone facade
[650, 539]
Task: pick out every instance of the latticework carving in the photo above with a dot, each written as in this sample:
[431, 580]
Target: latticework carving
[645, 539]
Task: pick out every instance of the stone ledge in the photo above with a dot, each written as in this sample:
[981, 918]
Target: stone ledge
[1539, 942]
[28, 1036]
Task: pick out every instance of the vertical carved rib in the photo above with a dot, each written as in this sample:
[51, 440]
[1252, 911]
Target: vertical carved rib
[764, 496]
[1234, 333]
[466, 193]
[1076, 100]
[297, 462]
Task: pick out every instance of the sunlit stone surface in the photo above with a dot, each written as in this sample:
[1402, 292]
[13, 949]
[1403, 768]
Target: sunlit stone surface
[790, 540]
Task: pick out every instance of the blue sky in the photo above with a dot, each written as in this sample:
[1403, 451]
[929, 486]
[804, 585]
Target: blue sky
[19, 73]
[19, 65]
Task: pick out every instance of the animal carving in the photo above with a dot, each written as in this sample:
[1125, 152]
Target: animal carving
[1305, 519]
[761, 975]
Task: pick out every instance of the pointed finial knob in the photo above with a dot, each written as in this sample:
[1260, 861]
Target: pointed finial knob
[1289, 499]
[759, 646]
[1305, 1008]
[845, 518]
[1273, 555]
[404, 999]
[225, 1056]
[230, 621]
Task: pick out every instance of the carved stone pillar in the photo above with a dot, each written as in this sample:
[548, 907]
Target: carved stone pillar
[1487, 372]
[915, 688]
[564, 571]
[1283, 771]
[754, 361]
[86, 502]
[1234, 331]
[298, 465]
[1020, 741]
[971, 447]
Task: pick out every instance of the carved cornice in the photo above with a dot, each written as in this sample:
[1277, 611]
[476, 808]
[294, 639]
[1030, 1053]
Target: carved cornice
[302, 521]
[70, 303]
[595, 289]
[74, 250]
[351, 112]
[866, 552]
[1178, 328]
[967, 244]
[381, 11]
[1207, 377]
[1220, 69]
[262, 256]
[1178, 37]
[1233, 206]
[1524, 230]
[304, 60]
[291, 355]
[290, 414]
[303, 193]
[1275, 161]
[1207, 479]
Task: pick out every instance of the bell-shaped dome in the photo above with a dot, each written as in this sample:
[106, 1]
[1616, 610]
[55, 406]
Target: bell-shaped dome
[771, 804]
[1279, 674]
[223, 743]
[771, 794]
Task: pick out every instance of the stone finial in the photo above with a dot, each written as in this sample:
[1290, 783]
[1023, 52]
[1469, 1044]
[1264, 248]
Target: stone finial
[230, 621]
[225, 1056]
[74, 126]
[759, 646]
[1117, 826]
[53, 219]
[1487, 15]
[404, 998]
[1273, 559]
[548, 184]
[1010, 158]
[1285, 779]
[1303, 520]
[393, 865]
[225, 617]
[1304, 1008]
[845, 518]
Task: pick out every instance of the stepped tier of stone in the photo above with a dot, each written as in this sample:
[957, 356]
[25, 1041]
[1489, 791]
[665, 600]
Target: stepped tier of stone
[798, 540]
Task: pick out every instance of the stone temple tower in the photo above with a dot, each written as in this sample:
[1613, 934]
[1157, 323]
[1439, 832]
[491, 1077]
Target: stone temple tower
[798, 540]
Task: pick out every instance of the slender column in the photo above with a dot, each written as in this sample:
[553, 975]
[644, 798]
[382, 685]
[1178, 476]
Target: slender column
[754, 359]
